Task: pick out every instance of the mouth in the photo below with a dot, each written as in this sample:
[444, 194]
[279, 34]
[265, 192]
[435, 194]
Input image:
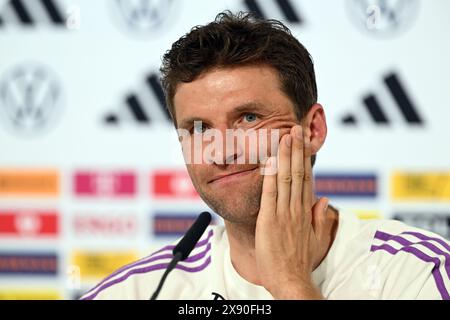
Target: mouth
[232, 176]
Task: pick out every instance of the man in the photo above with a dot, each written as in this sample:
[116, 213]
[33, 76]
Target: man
[280, 241]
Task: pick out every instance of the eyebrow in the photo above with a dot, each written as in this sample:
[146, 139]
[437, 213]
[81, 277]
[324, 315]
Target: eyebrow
[246, 107]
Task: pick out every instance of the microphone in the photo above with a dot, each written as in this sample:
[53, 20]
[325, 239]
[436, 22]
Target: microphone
[185, 246]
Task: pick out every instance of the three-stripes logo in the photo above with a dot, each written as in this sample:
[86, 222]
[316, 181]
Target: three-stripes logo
[143, 107]
[397, 102]
[283, 10]
[30, 13]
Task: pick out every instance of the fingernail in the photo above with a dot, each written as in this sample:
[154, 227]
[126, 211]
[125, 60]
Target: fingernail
[268, 167]
[326, 206]
[288, 141]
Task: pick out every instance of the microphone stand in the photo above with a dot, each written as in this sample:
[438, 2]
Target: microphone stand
[177, 257]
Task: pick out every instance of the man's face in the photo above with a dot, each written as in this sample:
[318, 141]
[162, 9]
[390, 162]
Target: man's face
[247, 98]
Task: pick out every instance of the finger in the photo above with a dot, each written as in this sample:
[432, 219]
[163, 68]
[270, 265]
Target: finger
[297, 170]
[269, 190]
[307, 183]
[284, 175]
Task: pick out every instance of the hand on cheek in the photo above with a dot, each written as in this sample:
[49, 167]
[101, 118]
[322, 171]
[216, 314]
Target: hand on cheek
[287, 245]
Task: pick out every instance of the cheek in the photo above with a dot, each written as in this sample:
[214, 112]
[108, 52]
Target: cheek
[192, 149]
[197, 172]
[265, 143]
[193, 170]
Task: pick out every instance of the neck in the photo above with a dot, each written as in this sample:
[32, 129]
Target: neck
[242, 250]
[242, 247]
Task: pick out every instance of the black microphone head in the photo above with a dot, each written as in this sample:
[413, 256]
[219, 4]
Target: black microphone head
[190, 239]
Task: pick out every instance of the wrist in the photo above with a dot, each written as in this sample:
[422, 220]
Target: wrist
[296, 290]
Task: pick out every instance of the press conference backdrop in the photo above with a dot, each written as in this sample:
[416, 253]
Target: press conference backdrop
[91, 173]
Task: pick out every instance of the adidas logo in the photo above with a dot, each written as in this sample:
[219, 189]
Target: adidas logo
[278, 9]
[143, 107]
[380, 114]
[32, 12]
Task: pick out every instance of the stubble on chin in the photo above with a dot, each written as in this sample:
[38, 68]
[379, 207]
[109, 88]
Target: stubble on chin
[240, 208]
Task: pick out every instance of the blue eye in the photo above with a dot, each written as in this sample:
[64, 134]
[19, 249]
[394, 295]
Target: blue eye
[198, 127]
[250, 117]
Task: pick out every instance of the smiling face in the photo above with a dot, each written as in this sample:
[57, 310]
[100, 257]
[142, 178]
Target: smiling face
[244, 97]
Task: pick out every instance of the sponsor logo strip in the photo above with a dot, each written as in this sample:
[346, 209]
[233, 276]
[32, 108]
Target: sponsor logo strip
[368, 214]
[428, 220]
[173, 184]
[40, 183]
[105, 184]
[27, 294]
[28, 223]
[425, 186]
[96, 265]
[28, 264]
[346, 185]
[105, 225]
[170, 225]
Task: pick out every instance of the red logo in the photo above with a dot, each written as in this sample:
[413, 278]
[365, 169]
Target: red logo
[105, 225]
[105, 184]
[28, 223]
[173, 184]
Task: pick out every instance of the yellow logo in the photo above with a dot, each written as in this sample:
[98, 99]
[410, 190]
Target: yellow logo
[430, 186]
[97, 265]
[368, 214]
[37, 294]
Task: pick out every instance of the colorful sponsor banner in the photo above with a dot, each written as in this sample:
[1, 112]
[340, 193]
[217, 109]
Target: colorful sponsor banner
[420, 186]
[29, 183]
[105, 225]
[89, 183]
[28, 264]
[172, 184]
[435, 222]
[29, 223]
[165, 224]
[99, 264]
[346, 185]
[29, 294]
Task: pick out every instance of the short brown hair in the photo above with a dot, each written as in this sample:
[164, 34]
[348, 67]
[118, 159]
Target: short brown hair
[241, 39]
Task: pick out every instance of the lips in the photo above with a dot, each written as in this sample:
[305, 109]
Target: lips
[232, 175]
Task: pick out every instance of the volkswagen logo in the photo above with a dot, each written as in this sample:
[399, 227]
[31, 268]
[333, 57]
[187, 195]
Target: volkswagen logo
[383, 17]
[30, 98]
[144, 17]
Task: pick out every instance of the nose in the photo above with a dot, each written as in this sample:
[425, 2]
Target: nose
[228, 148]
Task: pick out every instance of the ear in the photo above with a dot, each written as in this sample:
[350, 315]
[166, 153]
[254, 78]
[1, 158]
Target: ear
[315, 126]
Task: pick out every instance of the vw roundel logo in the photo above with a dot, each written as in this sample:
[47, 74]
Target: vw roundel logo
[144, 17]
[30, 99]
[383, 17]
